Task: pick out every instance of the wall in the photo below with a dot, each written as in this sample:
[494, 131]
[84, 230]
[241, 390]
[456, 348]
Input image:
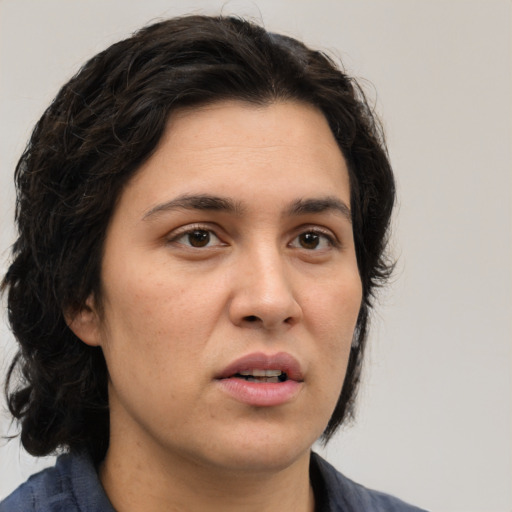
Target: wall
[434, 422]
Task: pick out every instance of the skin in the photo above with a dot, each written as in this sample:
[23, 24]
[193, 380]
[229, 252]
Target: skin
[268, 279]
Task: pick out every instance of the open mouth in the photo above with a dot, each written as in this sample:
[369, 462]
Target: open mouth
[262, 376]
[261, 368]
[262, 380]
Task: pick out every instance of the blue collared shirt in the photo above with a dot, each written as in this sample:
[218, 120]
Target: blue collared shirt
[72, 485]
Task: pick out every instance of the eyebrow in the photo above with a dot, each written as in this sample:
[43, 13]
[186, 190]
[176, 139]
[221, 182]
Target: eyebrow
[202, 202]
[206, 202]
[320, 205]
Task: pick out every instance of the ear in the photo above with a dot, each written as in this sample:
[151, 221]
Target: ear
[85, 323]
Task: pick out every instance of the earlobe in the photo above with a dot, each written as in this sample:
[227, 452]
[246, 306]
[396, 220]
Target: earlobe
[85, 323]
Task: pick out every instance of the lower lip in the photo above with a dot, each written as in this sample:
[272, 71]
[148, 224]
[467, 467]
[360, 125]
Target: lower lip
[260, 394]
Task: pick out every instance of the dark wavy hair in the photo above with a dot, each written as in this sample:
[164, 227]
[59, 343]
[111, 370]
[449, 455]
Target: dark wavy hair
[102, 125]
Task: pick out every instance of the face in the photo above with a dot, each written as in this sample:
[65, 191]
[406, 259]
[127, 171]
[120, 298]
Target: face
[230, 288]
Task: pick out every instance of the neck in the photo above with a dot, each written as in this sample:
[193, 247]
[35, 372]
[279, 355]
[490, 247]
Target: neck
[154, 481]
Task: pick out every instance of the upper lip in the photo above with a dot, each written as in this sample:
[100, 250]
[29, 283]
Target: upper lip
[260, 361]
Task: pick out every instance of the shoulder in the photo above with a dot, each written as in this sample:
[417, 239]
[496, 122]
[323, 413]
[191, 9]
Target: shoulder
[71, 485]
[341, 493]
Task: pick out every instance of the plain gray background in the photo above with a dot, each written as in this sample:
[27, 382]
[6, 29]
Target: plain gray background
[434, 424]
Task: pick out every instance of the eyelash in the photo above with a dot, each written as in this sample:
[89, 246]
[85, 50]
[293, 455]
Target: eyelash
[190, 230]
[331, 239]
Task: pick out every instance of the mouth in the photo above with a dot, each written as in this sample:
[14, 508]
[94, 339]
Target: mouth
[256, 375]
[264, 368]
[261, 380]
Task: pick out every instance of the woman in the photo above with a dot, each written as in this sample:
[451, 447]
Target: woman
[203, 214]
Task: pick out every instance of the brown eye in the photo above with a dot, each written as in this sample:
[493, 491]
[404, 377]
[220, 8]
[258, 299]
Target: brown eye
[199, 238]
[313, 241]
[309, 240]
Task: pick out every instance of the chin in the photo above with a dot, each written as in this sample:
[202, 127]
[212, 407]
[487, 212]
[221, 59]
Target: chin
[263, 450]
[262, 461]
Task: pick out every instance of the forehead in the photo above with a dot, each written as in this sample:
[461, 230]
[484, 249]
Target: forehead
[236, 124]
[242, 150]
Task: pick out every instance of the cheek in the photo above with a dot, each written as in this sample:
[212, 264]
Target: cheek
[334, 308]
[333, 316]
[158, 319]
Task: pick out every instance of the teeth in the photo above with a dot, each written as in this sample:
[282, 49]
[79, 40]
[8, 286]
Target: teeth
[274, 380]
[261, 373]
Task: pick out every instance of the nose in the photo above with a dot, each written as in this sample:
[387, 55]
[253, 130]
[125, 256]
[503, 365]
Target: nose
[263, 296]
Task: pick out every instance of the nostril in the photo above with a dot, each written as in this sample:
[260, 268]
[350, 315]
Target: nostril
[251, 318]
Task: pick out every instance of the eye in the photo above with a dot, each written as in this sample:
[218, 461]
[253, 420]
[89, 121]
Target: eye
[312, 241]
[197, 238]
